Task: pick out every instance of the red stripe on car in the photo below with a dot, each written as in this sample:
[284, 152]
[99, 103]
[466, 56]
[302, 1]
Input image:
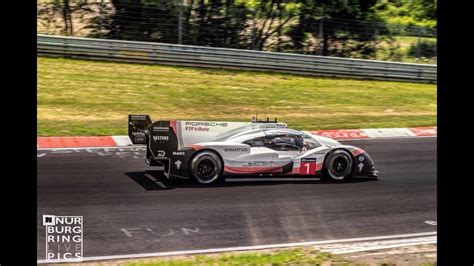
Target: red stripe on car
[357, 151]
[173, 125]
[196, 147]
[252, 170]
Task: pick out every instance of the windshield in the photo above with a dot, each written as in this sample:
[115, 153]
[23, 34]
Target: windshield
[309, 142]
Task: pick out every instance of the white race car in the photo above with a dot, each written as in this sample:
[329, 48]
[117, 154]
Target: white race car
[207, 151]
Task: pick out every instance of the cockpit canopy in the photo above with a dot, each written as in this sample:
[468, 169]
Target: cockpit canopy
[284, 140]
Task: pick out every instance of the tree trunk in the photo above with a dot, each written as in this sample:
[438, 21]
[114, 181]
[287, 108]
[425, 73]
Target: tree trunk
[67, 18]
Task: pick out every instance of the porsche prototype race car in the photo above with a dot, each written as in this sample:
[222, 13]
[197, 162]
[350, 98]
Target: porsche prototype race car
[207, 151]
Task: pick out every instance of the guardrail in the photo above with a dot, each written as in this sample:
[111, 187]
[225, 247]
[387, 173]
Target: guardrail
[199, 56]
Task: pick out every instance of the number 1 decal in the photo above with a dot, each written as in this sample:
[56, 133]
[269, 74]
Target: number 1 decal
[308, 166]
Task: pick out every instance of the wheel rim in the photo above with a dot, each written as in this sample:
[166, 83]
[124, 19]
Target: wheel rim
[206, 169]
[339, 166]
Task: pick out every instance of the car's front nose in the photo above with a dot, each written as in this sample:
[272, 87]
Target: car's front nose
[373, 172]
[364, 165]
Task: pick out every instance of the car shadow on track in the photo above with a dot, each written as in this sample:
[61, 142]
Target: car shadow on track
[155, 180]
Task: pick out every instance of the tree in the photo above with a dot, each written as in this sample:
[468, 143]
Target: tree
[341, 28]
[271, 16]
[206, 23]
[56, 17]
[217, 23]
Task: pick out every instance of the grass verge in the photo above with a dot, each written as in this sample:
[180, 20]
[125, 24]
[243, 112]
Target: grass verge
[280, 257]
[78, 97]
[288, 256]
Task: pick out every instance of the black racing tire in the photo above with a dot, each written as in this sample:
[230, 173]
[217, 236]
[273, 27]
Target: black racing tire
[339, 165]
[206, 167]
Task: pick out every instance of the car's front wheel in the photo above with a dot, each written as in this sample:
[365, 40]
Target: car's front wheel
[338, 164]
[206, 167]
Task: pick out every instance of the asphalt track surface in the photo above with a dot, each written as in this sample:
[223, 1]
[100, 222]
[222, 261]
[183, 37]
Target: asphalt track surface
[126, 211]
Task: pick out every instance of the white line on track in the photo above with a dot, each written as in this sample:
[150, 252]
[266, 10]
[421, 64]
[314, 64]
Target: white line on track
[383, 247]
[344, 248]
[244, 248]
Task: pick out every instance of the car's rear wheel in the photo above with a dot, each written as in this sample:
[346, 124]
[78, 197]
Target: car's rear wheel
[338, 165]
[206, 167]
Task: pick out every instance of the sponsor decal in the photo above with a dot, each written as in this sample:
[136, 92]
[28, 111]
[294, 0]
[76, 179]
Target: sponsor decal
[179, 153]
[360, 165]
[196, 129]
[205, 124]
[160, 153]
[138, 133]
[63, 238]
[138, 117]
[178, 164]
[161, 129]
[140, 139]
[239, 149]
[361, 158]
[260, 163]
[157, 138]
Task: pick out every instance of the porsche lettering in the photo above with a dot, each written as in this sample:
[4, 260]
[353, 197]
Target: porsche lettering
[206, 124]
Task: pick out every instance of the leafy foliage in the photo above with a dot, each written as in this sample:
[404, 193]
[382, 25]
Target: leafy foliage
[346, 28]
[421, 13]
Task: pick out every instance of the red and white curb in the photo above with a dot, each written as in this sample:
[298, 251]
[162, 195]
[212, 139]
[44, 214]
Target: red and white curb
[374, 133]
[339, 134]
